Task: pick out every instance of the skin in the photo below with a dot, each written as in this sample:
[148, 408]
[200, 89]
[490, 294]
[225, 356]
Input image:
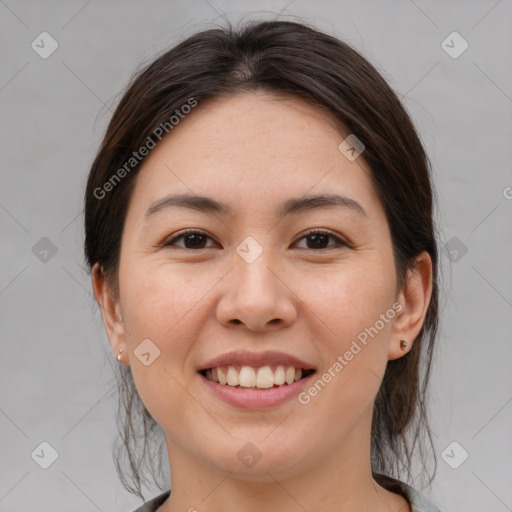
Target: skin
[253, 151]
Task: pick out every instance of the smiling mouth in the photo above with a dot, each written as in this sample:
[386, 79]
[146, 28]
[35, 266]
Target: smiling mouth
[247, 377]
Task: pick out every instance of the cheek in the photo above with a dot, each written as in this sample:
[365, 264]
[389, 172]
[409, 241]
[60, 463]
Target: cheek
[161, 305]
[346, 313]
[157, 298]
[346, 301]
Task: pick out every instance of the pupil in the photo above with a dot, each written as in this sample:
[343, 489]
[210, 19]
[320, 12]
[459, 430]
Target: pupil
[316, 239]
[196, 240]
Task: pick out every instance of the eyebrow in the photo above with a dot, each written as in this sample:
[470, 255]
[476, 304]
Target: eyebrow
[290, 206]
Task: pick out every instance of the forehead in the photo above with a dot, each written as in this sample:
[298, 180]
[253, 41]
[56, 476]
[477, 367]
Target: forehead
[260, 125]
[253, 145]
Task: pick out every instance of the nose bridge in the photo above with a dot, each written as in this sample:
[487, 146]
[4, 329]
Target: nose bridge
[256, 296]
[253, 274]
[254, 281]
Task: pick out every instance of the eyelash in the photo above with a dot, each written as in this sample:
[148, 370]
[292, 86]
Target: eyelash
[188, 232]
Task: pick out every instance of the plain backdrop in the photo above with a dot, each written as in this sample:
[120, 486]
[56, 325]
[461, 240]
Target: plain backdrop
[56, 383]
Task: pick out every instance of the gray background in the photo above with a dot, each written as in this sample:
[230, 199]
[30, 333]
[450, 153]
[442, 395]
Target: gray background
[56, 382]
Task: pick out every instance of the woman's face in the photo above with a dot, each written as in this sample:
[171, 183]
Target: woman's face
[254, 281]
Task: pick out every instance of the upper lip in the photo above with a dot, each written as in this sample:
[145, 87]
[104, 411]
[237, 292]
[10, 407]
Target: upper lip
[256, 360]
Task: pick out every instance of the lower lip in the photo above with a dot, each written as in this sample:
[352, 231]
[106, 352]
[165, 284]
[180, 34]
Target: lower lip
[252, 399]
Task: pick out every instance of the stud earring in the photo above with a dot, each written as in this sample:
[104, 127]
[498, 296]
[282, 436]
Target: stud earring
[403, 344]
[119, 355]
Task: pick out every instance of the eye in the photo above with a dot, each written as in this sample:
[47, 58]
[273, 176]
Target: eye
[319, 237]
[193, 239]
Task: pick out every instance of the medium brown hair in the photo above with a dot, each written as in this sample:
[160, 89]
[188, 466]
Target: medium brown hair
[296, 59]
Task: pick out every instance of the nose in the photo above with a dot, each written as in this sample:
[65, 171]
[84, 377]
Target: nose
[257, 295]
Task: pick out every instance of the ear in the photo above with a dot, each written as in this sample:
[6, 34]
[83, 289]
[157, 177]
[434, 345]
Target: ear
[414, 298]
[110, 310]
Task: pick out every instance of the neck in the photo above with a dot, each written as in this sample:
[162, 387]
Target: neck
[339, 480]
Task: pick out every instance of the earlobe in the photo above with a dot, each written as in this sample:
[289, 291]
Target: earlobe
[415, 298]
[403, 345]
[110, 309]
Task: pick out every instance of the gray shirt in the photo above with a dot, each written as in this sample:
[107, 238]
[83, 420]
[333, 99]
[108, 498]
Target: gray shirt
[418, 502]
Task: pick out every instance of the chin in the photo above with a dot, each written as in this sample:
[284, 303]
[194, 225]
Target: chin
[259, 460]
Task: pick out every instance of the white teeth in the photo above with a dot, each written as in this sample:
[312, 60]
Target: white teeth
[248, 377]
[279, 376]
[221, 375]
[290, 375]
[232, 377]
[264, 377]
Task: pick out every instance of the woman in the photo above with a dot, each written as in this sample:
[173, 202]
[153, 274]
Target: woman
[259, 229]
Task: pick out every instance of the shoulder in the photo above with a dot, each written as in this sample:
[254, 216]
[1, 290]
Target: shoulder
[153, 504]
[417, 501]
